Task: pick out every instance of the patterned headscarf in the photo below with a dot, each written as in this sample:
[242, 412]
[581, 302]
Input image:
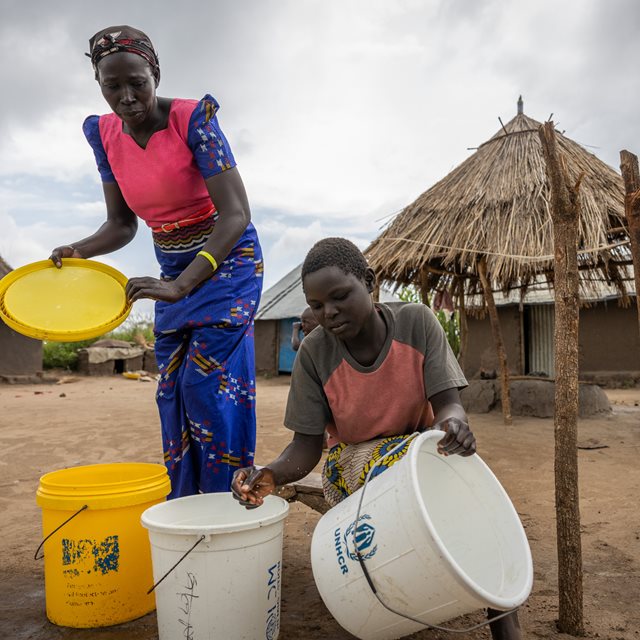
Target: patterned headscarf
[122, 38]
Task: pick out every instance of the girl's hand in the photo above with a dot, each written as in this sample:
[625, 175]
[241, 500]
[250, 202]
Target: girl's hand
[459, 439]
[251, 485]
[165, 290]
[66, 251]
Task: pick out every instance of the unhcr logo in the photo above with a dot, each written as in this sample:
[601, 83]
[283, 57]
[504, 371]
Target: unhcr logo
[364, 536]
[364, 540]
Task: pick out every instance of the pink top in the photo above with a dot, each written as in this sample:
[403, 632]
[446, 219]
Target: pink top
[165, 182]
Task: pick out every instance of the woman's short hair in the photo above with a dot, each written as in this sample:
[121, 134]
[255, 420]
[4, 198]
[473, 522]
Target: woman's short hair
[335, 252]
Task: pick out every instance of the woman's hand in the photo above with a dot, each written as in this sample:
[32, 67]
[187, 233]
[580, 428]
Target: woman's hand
[459, 439]
[66, 251]
[449, 416]
[230, 201]
[251, 485]
[165, 290]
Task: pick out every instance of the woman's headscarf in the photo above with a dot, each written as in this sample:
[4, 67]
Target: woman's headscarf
[123, 38]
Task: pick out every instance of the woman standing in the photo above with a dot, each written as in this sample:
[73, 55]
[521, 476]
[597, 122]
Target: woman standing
[167, 162]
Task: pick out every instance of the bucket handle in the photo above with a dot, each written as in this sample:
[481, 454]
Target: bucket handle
[35, 555]
[368, 576]
[200, 539]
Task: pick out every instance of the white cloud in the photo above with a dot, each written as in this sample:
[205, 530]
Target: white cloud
[339, 113]
[89, 210]
[24, 243]
[52, 146]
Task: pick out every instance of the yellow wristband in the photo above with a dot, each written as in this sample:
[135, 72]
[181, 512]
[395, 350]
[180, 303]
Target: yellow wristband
[209, 257]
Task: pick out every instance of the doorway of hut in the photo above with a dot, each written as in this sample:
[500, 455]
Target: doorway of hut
[286, 354]
[539, 323]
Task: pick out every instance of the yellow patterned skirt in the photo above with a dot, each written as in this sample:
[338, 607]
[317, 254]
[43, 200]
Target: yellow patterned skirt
[347, 465]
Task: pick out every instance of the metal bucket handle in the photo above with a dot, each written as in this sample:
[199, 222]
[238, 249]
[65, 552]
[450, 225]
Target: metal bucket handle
[366, 571]
[198, 541]
[79, 511]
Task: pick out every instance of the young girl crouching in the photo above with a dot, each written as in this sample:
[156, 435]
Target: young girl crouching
[376, 374]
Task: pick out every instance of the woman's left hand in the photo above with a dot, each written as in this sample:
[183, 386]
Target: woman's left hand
[459, 439]
[147, 287]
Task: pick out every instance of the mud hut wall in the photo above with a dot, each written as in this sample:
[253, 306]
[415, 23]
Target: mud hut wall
[481, 350]
[609, 340]
[266, 346]
[19, 355]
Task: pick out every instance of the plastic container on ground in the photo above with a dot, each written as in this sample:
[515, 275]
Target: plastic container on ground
[439, 537]
[228, 586]
[98, 566]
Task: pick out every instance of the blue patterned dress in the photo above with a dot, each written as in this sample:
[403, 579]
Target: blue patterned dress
[204, 342]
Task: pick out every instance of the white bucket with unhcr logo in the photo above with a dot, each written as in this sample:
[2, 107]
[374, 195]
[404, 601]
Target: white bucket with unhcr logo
[438, 537]
[217, 567]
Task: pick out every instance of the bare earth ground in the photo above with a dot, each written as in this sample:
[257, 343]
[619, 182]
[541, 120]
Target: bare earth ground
[113, 420]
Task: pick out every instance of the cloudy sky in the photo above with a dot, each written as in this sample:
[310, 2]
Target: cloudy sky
[339, 112]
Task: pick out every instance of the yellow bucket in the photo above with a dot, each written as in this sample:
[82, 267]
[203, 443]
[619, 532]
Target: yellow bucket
[97, 558]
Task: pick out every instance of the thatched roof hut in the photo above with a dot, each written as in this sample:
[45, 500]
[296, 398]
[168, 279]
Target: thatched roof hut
[21, 357]
[4, 268]
[496, 205]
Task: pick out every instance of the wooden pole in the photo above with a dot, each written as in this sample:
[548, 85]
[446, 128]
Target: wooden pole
[565, 215]
[464, 327]
[424, 286]
[523, 357]
[497, 338]
[631, 177]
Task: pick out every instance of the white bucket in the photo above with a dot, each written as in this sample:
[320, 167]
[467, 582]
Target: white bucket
[228, 586]
[439, 537]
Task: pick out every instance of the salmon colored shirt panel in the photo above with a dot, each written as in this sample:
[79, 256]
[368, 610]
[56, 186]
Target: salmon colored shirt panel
[386, 402]
[354, 403]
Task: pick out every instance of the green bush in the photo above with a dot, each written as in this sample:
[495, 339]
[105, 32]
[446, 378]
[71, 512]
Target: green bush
[450, 322]
[64, 355]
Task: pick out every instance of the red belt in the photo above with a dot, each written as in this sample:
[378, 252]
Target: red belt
[187, 222]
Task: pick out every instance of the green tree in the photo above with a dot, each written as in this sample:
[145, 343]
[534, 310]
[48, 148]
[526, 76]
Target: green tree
[450, 322]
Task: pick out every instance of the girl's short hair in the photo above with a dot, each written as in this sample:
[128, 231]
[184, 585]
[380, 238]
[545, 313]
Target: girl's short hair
[335, 252]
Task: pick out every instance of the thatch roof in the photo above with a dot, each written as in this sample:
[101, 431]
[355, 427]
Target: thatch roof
[4, 268]
[497, 204]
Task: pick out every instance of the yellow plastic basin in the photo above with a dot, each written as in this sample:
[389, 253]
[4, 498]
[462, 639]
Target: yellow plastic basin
[82, 300]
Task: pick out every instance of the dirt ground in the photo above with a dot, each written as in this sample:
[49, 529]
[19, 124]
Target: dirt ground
[97, 420]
